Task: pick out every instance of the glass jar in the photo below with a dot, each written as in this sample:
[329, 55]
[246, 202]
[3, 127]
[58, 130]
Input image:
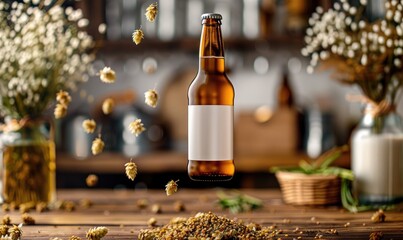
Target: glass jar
[27, 156]
[377, 158]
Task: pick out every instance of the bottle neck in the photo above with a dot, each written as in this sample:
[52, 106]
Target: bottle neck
[211, 51]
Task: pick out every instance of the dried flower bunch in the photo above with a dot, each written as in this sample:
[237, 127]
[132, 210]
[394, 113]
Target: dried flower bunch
[362, 52]
[43, 49]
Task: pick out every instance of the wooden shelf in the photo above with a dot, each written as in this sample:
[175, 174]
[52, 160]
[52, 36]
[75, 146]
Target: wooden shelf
[192, 44]
[170, 161]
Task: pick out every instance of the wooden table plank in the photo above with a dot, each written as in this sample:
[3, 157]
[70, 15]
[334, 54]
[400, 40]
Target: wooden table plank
[117, 210]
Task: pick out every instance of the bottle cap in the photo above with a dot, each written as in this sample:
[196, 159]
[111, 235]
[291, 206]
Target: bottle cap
[212, 16]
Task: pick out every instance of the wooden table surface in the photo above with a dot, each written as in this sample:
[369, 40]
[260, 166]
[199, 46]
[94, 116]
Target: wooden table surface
[117, 210]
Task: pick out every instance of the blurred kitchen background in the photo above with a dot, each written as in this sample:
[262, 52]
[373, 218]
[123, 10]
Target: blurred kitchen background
[282, 114]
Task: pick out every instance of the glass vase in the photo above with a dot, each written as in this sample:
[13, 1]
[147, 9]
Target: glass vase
[377, 158]
[28, 163]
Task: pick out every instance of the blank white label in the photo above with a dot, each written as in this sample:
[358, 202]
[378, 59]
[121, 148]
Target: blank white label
[210, 132]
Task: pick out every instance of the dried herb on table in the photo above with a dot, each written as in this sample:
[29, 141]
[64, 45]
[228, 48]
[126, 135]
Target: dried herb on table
[207, 226]
[96, 233]
[15, 232]
[376, 236]
[28, 219]
[3, 230]
[237, 202]
[378, 217]
[6, 220]
[74, 238]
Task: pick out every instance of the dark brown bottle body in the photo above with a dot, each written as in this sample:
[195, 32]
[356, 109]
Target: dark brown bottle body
[211, 101]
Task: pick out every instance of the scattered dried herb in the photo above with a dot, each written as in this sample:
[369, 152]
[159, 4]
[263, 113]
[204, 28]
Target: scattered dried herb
[179, 206]
[142, 203]
[378, 217]
[376, 236]
[156, 208]
[171, 187]
[28, 219]
[6, 220]
[96, 233]
[152, 222]
[206, 226]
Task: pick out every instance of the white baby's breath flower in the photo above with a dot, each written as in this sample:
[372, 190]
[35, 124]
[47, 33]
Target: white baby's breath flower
[108, 105]
[102, 28]
[131, 170]
[107, 75]
[60, 111]
[136, 127]
[97, 146]
[137, 36]
[41, 41]
[83, 22]
[151, 12]
[151, 98]
[171, 187]
[89, 125]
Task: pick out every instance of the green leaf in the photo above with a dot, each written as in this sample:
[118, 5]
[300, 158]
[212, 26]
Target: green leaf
[236, 201]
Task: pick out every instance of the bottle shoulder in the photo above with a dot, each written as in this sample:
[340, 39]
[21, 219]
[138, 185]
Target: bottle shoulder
[211, 89]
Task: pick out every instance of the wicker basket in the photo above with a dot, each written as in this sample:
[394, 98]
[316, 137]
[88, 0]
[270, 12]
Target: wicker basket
[302, 189]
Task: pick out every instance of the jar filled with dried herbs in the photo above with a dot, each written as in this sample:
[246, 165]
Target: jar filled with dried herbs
[27, 154]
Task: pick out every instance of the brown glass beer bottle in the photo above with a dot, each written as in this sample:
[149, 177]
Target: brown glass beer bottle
[211, 109]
